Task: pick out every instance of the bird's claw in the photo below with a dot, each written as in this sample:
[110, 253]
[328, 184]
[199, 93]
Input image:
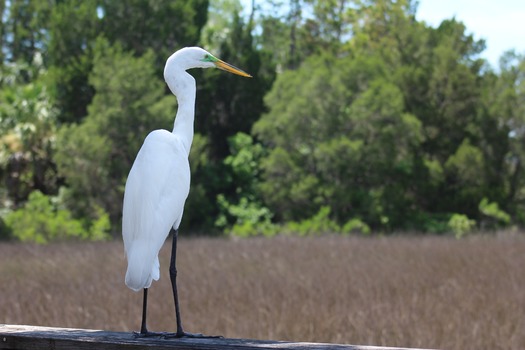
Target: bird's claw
[189, 335]
[148, 334]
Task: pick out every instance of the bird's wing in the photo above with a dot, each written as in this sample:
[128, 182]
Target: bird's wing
[156, 189]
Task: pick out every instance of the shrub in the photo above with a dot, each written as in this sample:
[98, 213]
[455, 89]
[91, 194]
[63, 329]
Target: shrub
[494, 214]
[251, 218]
[355, 225]
[248, 229]
[40, 221]
[5, 232]
[460, 225]
[435, 223]
[317, 224]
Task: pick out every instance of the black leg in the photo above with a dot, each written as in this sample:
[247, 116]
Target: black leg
[173, 276]
[143, 328]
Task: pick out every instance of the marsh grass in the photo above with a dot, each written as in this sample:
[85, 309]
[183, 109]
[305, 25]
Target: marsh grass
[428, 292]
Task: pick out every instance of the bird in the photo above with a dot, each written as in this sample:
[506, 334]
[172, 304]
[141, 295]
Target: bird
[159, 182]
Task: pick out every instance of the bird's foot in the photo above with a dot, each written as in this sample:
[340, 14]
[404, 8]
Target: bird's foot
[148, 334]
[190, 335]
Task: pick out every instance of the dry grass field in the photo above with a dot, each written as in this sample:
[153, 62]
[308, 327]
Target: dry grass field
[429, 292]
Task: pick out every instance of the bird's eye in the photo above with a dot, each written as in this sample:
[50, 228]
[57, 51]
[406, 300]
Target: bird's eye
[208, 58]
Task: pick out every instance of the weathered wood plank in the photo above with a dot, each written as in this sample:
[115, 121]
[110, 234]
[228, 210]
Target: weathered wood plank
[16, 337]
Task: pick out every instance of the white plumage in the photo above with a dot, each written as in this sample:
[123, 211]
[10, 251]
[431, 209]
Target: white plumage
[157, 187]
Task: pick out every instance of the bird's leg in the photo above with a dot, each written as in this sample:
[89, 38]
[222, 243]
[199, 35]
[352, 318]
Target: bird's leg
[143, 329]
[173, 276]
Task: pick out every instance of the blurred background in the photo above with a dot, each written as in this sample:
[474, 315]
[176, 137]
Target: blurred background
[362, 116]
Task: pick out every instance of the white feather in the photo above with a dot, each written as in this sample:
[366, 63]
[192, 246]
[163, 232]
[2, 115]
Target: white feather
[156, 190]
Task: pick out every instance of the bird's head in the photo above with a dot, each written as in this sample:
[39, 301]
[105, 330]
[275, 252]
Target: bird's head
[195, 57]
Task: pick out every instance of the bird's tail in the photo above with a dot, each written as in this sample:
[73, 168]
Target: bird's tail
[143, 266]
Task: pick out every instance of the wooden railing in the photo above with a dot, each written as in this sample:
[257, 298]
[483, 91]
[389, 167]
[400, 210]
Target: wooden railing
[46, 338]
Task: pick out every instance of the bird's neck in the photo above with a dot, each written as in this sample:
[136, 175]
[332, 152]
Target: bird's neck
[183, 87]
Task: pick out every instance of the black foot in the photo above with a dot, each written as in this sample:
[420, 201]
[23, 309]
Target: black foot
[148, 334]
[190, 335]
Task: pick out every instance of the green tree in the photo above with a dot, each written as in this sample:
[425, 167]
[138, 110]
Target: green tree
[40, 221]
[24, 29]
[218, 26]
[226, 104]
[394, 126]
[95, 156]
[340, 138]
[137, 25]
[200, 209]
[374, 119]
[463, 170]
[442, 82]
[73, 27]
[3, 32]
[507, 105]
[297, 29]
[243, 211]
[28, 129]
[162, 26]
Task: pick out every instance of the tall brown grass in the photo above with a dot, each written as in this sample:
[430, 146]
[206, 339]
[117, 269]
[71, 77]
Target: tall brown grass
[430, 292]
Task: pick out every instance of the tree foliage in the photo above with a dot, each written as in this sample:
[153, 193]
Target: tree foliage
[95, 156]
[393, 127]
[28, 128]
[358, 118]
[40, 221]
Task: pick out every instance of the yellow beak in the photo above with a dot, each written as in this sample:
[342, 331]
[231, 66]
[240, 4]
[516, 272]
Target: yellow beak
[229, 68]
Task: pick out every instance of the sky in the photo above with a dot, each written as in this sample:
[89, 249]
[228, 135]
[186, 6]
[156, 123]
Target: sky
[501, 23]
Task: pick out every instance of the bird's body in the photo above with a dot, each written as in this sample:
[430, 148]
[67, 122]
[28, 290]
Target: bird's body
[152, 210]
[159, 181]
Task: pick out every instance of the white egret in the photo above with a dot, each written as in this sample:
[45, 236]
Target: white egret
[159, 182]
